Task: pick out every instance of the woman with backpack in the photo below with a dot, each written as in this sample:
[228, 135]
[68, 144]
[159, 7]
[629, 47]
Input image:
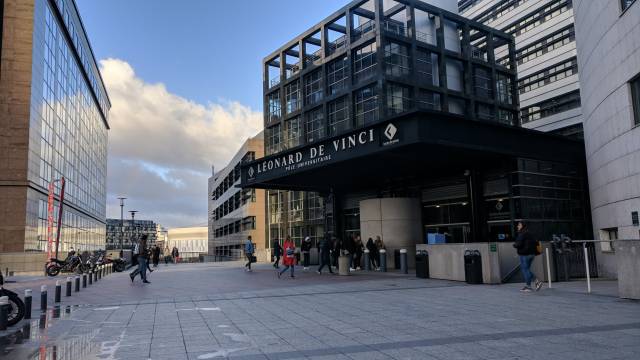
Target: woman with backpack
[289, 259]
[527, 248]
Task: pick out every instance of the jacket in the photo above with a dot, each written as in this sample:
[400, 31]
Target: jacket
[289, 254]
[277, 249]
[306, 246]
[324, 247]
[525, 244]
[248, 247]
[371, 246]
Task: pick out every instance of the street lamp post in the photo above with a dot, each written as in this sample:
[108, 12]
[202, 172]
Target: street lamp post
[122, 199]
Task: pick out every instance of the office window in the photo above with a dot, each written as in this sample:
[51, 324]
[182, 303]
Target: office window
[364, 62]
[316, 125]
[337, 75]
[548, 75]
[549, 43]
[549, 107]
[635, 98]
[398, 98]
[315, 206]
[428, 100]
[275, 206]
[292, 97]
[366, 106]
[608, 234]
[313, 87]
[274, 107]
[338, 114]
[482, 82]
[292, 132]
[296, 206]
[427, 67]
[626, 4]
[504, 85]
[396, 58]
[273, 138]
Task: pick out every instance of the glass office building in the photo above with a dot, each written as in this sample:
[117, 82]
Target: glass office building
[54, 96]
[402, 112]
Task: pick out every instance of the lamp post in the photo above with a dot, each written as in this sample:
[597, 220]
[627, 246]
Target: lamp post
[122, 199]
[133, 222]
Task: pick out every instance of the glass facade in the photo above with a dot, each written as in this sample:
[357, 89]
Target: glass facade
[68, 131]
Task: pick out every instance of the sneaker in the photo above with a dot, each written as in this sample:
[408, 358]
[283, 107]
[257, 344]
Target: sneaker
[319, 273]
[352, 269]
[306, 268]
[132, 277]
[538, 285]
[146, 282]
[526, 289]
[150, 270]
[292, 276]
[278, 272]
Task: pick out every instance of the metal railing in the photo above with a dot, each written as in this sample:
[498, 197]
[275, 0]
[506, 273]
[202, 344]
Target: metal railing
[361, 30]
[425, 38]
[395, 28]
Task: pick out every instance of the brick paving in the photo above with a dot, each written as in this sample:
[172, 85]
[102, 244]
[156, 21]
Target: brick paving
[213, 311]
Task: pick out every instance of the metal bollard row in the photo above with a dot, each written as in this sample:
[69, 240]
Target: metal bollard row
[383, 260]
[58, 293]
[28, 301]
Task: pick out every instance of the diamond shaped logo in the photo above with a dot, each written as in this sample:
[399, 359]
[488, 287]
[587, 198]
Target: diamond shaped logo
[390, 131]
[251, 172]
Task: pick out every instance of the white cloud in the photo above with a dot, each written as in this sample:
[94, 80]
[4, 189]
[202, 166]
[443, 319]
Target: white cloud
[162, 146]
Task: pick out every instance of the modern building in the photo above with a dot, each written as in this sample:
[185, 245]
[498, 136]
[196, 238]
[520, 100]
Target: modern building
[234, 213]
[190, 241]
[129, 231]
[607, 36]
[403, 117]
[53, 124]
[547, 67]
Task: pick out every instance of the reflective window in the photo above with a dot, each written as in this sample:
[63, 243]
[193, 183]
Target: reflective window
[316, 125]
[293, 132]
[398, 98]
[337, 75]
[338, 114]
[635, 98]
[366, 106]
[396, 58]
[274, 106]
[364, 62]
[273, 139]
[292, 97]
[313, 87]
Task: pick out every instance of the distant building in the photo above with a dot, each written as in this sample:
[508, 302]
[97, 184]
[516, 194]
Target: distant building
[133, 229]
[190, 241]
[236, 213]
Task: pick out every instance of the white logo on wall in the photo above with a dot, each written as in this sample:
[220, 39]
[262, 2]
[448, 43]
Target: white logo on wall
[251, 172]
[390, 133]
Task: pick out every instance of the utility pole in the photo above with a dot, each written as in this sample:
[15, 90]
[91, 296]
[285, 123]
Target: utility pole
[122, 199]
[133, 222]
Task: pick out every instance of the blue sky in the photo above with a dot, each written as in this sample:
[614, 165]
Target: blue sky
[187, 45]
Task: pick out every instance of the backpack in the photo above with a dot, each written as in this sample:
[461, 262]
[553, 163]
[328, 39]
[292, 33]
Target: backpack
[289, 252]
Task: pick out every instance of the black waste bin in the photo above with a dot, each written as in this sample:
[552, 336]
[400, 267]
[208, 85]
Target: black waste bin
[472, 267]
[422, 264]
[396, 259]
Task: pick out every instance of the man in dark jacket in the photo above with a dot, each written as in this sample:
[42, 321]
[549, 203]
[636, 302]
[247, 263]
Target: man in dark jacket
[305, 248]
[373, 253]
[277, 252]
[527, 250]
[324, 249]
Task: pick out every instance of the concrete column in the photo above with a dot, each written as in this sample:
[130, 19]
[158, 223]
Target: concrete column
[398, 222]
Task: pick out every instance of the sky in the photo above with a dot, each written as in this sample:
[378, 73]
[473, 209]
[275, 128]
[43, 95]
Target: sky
[185, 83]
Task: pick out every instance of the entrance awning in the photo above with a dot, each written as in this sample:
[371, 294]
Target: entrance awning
[417, 144]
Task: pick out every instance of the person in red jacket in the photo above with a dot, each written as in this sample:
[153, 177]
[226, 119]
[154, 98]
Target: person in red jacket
[289, 256]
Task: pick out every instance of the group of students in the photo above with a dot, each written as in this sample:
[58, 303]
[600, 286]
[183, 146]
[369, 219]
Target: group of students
[141, 254]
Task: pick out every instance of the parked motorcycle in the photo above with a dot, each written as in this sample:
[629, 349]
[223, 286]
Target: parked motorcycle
[70, 264]
[16, 305]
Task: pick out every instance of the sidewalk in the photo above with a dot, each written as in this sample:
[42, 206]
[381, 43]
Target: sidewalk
[209, 311]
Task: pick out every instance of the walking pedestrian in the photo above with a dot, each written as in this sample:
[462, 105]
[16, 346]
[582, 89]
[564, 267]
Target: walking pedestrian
[248, 252]
[306, 248]
[335, 251]
[156, 255]
[143, 257]
[527, 246]
[175, 255]
[350, 247]
[357, 260]
[289, 259]
[277, 252]
[373, 254]
[134, 258]
[167, 255]
[324, 252]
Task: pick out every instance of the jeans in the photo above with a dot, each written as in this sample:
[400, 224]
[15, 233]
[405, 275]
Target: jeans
[142, 267]
[324, 260]
[305, 257]
[525, 266]
[248, 264]
[285, 269]
[276, 263]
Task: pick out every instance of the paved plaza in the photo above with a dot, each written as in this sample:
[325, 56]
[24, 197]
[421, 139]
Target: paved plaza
[210, 311]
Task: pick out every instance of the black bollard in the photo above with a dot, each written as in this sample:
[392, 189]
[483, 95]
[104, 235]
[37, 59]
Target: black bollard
[58, 293]
[68, 287]
[77, 283]
[43, 298]
[84, 280]
[4, 312]
[404, 267]
[367, 261]
[100, 273]
[95, 276]
[27, 303]
[90, 277]
[383, 260]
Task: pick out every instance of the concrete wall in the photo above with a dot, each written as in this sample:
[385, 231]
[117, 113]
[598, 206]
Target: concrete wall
[628, 260]
[23, 263]
[608, 47]
[396, 220]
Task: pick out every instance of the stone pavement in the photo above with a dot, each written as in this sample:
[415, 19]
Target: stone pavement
[210, 311]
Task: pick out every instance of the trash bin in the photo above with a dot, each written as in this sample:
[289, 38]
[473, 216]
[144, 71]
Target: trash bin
[343, 265]
[472, 267]
[422, 264]
[396, 259]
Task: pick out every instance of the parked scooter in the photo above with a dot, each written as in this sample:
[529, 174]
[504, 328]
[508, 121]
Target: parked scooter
[16, 305]
[70, 264]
